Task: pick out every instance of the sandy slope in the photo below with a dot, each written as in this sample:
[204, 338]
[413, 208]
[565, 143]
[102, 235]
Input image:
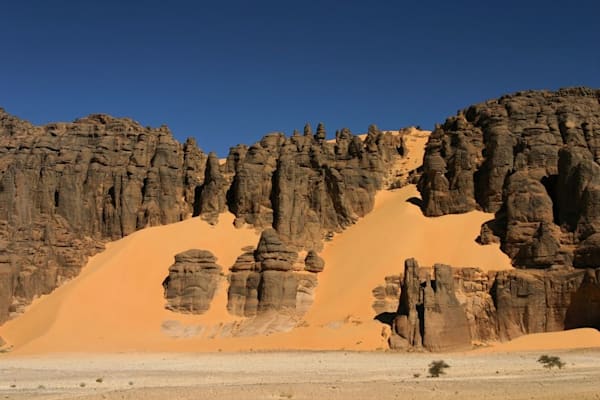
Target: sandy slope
[572, 339]
[117, 304]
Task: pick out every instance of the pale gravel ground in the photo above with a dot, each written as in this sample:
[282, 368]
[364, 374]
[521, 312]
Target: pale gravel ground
[300, 375]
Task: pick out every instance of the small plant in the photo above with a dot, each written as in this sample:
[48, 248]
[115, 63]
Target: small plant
[41, 387]
[99, 380]
[130, 383]
[551, 361]
[416, 375]
[82, 384]
[436, 368]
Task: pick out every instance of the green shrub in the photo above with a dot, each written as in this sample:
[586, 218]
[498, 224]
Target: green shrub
[551, 361]
[436, 368]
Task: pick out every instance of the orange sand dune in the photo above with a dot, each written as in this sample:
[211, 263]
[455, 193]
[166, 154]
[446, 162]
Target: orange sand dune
[376, 246]
[571, 339]
[116, 304]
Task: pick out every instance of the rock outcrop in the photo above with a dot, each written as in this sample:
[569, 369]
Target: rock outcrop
[67, 188]
[304, 186]
[192, 281]
[272, 278]
[457, 307]
[531, 158]
[429, 313]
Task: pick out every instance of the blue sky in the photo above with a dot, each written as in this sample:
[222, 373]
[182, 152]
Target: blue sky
[228, 72]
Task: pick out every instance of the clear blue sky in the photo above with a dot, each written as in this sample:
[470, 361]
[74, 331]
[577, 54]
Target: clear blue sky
[230, 71]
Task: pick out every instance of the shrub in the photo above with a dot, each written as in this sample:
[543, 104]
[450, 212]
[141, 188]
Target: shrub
[551, 361]
[436, 368]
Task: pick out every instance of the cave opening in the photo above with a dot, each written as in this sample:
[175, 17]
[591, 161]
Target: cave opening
[550, 183]
[196, 205]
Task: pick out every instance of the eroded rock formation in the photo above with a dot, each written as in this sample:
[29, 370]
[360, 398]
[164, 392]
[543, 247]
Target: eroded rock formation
[272, 278]
[531, 158]
[192, 281]
[67, 188]
[448, 308]
[429, 313]
[304, 186]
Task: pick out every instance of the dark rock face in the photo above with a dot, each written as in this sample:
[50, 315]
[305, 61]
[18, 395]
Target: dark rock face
[304, 186]
[65, 188]
[466, 305]
[272, 279]
[531, 158]
[192, 282]
[429, 314]
[584, 310]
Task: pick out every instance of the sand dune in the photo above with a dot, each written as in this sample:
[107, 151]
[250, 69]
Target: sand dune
[376, 246]
[117, 303]
[572, 339]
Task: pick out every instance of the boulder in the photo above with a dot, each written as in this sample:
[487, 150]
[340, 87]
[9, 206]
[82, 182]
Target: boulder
[265, 281]
[192, 281]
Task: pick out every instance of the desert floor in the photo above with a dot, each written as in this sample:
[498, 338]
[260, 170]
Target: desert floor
[300, 375]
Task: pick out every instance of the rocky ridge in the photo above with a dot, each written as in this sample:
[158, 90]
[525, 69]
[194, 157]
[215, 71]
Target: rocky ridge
[444, 308]
[67, 188]
[270, 278]
[532, 159]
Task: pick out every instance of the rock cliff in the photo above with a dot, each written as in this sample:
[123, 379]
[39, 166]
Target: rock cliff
[444, 308]
[304, 186]
[532, 159]
[67, 188]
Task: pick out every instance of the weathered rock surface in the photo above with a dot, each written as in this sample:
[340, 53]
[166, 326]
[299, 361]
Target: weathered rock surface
[192, 281]
[429, 313]
[531, 158]
[267, 279]
[461, 306]
[65, 188]
[313, 263]
[387, 296]
[304, 186]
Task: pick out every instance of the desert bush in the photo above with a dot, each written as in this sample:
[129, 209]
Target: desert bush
[436, 368]
[551, 361]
